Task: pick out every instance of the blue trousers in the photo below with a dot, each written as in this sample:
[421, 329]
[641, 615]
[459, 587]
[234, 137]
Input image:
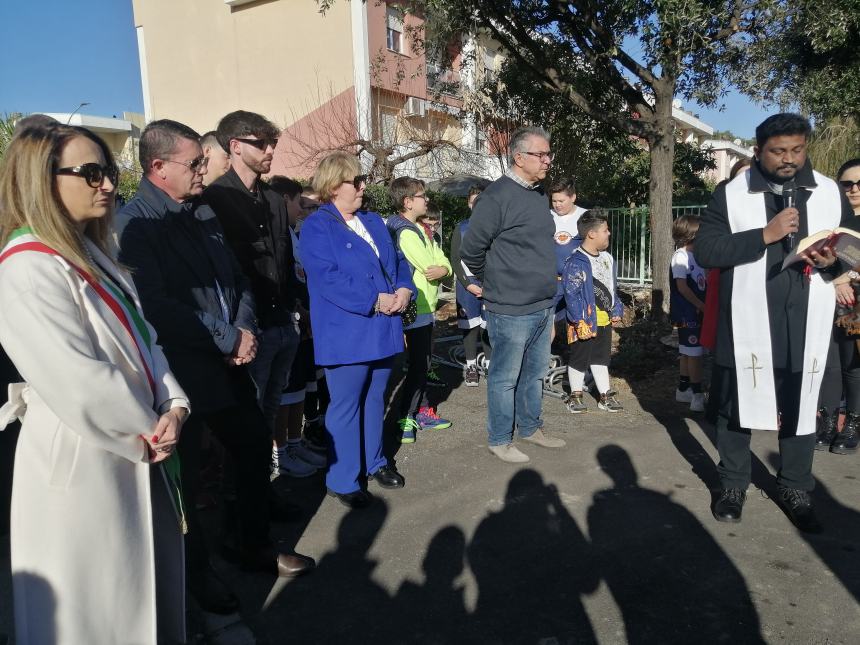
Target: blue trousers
[354, 421]
[515, 383]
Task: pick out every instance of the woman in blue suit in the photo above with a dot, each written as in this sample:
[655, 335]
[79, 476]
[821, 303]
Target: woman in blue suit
[358, 285]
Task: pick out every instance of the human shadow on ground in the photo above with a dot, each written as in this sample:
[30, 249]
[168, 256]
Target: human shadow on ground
[530, 561]
[836, 545]
[532, 565]
[671, 580]
[340, 601]
[673, 417]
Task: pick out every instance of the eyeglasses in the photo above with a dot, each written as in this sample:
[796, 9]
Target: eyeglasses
[357, 181]
[260, 144]
[195, 165]
[307, 204]
[548, 156]
[847, 184]
[422, 196]
[93, 173]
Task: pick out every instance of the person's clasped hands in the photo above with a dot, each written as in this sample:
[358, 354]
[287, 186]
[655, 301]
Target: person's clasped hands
[245, 349]
[393, 303]
[161, 443]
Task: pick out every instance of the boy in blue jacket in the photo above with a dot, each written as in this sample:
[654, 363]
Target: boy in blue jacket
[592, 305]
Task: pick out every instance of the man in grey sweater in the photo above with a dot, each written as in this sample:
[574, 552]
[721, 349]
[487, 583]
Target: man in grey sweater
[509, 248]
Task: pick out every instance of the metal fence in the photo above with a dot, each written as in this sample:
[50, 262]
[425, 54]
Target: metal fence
[630, 243]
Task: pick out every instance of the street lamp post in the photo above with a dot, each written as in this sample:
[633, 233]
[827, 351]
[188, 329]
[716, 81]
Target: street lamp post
[69, 120]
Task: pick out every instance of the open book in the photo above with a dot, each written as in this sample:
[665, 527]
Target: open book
[844, 242]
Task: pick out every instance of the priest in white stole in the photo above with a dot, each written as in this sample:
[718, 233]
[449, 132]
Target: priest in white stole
[774, 326]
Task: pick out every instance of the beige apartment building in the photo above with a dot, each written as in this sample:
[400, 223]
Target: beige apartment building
[348, 76]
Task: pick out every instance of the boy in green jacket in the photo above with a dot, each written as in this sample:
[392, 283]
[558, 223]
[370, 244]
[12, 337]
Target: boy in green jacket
[429, 267]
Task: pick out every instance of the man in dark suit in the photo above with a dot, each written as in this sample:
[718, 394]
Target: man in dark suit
[194, 293]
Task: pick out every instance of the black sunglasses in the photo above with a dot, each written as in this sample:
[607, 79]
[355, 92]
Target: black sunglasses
[847, 184]
[357, 181]
[194, 165]
[259, 144]
[93, 173]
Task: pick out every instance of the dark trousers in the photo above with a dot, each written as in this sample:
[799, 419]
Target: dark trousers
[243, 432]
[419, 348]
[842, 375]
[733, 442]
[470, 343]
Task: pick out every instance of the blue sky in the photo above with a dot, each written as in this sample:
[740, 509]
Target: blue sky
[56, 54]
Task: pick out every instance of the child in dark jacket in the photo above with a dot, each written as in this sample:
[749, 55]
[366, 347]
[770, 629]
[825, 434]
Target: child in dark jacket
[592, 305]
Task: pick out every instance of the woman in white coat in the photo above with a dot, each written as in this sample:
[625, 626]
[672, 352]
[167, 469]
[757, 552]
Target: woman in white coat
[96, 522]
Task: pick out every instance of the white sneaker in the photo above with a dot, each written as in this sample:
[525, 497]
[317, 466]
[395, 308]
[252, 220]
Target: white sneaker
[697, 404]
[685, 396]
[293, 466]
[308, 456]
[509, 453]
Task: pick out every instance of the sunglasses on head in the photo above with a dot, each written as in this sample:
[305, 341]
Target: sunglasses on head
[847, 184]
[94, 174]
[259, 144]
[357, 181]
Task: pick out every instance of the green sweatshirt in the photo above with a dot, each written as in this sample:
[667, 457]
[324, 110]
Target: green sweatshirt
[422, 254]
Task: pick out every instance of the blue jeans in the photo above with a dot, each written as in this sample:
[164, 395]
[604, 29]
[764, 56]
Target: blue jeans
[521, 352]
[270, 370]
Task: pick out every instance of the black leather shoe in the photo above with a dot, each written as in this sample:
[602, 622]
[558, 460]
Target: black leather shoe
[211, 593]
[845, 442]
[730, 505]
[358, 499]
[798, 506]
[388, 477]
[284, 564]
[825, 428]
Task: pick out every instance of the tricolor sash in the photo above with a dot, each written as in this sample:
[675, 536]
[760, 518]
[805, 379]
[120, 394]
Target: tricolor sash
[750, 321]
[131, 320]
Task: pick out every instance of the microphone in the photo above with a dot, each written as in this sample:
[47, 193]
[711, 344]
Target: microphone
[789, 200]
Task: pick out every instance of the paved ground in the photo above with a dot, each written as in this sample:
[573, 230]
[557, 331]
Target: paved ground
[608, 540]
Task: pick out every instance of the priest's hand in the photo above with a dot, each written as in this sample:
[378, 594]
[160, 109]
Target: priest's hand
[819, 259]
[786, 221]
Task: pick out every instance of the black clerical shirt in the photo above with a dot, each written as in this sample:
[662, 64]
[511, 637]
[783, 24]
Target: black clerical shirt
[787, 290]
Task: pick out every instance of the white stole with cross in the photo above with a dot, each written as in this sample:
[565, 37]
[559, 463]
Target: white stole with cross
[750, 320]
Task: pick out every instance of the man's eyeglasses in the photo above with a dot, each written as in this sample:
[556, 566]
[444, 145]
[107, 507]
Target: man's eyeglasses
[259, 144]
[195, 165]
[422, 196]
[358, 181]
[543, 156]
[93, 173]
[847, 184]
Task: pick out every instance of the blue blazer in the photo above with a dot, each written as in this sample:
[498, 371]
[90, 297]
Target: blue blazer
[344, 280]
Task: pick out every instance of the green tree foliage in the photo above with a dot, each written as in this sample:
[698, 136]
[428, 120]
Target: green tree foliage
[809, 56]
[611, 168]
[454, 209]
[7, 128]
[833, 143]
[620, 62]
